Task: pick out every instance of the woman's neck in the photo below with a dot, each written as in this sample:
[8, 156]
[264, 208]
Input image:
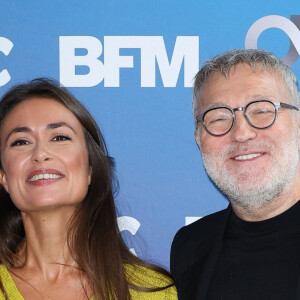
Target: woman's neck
[46, 250]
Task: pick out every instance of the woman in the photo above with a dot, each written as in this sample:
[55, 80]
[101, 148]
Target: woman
[59, 237]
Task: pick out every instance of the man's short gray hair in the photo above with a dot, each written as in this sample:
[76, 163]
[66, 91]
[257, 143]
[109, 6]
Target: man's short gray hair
[224, 62]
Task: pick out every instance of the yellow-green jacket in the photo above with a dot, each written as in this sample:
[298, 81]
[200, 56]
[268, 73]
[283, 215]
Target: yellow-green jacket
[147, 276]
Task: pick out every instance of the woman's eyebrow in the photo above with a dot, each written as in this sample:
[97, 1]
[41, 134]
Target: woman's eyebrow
[60, 124]
[49, 126]
[17, 129]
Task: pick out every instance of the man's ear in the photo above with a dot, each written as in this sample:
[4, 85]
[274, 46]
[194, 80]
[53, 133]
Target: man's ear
[298, 123]
[197, 136]
[3, 180]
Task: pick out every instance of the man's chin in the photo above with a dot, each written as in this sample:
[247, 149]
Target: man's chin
[241, 191]
[246, 188]
[250, 185]
[246, 182]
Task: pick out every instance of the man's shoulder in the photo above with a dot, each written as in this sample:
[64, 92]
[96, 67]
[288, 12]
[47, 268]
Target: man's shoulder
[194, 242]
[191, 249]
[195, 231]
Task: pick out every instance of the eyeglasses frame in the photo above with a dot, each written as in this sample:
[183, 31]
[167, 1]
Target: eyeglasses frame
[277, 105]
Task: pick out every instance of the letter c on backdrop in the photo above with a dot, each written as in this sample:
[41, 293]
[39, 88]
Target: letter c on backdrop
[129, 224]
[5, 47]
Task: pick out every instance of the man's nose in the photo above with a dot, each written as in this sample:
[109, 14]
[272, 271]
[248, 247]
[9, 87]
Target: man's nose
[242, 131]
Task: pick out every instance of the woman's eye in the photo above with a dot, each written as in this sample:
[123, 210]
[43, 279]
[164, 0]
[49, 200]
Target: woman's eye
[61, 138]
[19, 143]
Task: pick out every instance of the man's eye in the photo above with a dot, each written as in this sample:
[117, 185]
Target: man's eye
[218, 120]
[19, 143]
[61, 137]
[262, 112]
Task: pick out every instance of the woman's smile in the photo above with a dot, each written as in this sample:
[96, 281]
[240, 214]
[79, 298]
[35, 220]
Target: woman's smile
[43, 177]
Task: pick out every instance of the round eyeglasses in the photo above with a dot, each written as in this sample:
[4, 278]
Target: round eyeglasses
[260, 114]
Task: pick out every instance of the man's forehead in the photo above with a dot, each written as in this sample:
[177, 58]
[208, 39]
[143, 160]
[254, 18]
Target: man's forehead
[226, 72]
[243, 82]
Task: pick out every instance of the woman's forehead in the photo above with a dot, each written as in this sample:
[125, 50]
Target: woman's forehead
[38, 112]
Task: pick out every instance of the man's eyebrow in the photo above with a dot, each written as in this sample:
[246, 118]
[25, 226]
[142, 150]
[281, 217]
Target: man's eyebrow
[247, 100]
[58, 125]
[261, 97]
[217, 104]
[16, 130]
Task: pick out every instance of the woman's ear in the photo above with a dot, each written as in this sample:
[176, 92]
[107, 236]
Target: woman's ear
[90, 175]
[3, 180]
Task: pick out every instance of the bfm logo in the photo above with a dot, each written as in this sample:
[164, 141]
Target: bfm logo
[152, 52]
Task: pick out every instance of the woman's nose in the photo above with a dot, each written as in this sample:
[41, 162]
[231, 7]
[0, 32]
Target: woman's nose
[40, 153]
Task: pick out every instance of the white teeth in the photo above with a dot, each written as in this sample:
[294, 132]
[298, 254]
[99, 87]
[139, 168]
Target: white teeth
[249, 156]
[44, 176]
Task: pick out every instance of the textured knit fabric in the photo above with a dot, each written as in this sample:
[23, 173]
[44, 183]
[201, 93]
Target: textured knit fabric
[10, 288]
[138, 275]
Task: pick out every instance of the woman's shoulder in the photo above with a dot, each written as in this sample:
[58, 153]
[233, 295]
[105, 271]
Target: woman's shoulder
[8, 285]
[149, 278]
[137, 275]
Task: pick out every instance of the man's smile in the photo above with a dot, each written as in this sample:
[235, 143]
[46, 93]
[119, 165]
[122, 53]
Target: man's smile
[247, 156]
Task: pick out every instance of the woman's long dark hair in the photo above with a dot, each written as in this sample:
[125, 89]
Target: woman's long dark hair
[93, 236]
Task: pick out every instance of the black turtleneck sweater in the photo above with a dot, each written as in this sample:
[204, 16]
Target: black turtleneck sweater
[259, 260]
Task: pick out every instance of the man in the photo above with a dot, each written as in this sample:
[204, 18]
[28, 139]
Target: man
[247, 128]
